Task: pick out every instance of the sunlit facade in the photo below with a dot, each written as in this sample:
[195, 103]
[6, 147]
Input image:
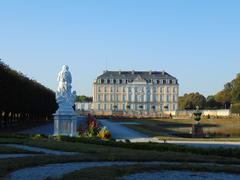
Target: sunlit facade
[135, 92]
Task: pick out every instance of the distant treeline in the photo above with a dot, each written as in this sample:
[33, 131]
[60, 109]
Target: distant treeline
[23, 99]
[84, 99]
[228, 98]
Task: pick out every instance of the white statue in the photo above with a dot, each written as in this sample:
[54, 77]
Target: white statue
[64, 95]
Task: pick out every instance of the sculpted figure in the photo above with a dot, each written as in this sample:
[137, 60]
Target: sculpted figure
[64, 80]
[64, 95]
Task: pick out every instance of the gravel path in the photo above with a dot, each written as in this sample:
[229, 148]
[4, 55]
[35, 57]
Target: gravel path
[200, 144]
[47, 129]
[121, 132]
[55, 171]
[7, 156]
[39, 150]
[186, 175]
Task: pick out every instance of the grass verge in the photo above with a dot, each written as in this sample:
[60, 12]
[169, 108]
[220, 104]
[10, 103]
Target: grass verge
[115, 172]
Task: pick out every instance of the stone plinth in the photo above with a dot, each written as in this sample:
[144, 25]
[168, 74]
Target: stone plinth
[65, 124]
[197, 131]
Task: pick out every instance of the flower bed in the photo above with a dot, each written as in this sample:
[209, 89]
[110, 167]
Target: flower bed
[94, 129]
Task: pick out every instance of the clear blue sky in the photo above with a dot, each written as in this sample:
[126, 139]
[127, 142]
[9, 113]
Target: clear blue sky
[198, 41]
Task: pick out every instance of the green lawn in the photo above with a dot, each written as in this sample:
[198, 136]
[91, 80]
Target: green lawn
[95, 150]
[218, 129]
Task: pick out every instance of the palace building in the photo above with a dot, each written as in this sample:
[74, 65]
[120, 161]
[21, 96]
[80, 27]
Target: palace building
[135, 92]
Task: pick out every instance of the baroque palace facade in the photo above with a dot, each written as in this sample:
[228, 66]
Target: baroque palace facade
[135, 92]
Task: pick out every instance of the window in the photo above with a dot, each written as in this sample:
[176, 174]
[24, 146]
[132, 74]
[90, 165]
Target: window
[111, 89]
[105, 89]
[114, 81]
[124, 98]
[102, 81]
[174, 89]
[99, 106]
[168, 98]
[120, 81]
[174, 107]
[174, 98]
[105, 106]
[116, 97]
[99, 89]
[161, 107]
[111, 97]
[124, 107]
[161, 98]
[154, 98]
[129, 90]
[129, 98]
[123, 89]
[105, 97]
[161, 89]
[108, 81]
[111, 107]
[154, 89]
[168, 89]
[99, 97]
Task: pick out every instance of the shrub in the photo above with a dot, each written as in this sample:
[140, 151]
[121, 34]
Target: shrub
[39, 136]
[235, 108]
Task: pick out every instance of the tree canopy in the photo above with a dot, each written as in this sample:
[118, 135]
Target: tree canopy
[19, 94]
[191, 100]
[84, 99]
[221, 100]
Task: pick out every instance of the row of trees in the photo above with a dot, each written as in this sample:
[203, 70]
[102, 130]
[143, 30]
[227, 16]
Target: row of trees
[230, 95]
[84, 99]
[23, 99]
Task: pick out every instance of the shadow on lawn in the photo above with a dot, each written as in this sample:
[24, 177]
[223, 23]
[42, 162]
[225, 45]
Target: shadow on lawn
[171, 128]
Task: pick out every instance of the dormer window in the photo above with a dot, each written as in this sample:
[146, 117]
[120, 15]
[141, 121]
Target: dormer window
[108, 81]
[114, 81]
[102, 81]
[120, 81]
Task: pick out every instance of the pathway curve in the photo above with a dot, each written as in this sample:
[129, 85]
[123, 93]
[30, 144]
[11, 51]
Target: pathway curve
[121, 132]
[199, 144]
[7, 156]
[186, 175]
[35, 150]
[55, 171]
[46, 129]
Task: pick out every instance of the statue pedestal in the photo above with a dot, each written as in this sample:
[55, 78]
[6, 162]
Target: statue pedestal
[197, 131]
[65, 123]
